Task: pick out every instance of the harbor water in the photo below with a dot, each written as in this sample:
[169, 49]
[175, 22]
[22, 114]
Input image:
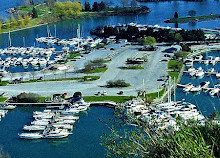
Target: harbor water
[84, 142]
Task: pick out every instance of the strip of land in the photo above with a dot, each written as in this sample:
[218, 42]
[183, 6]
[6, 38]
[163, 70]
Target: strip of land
[192, 19]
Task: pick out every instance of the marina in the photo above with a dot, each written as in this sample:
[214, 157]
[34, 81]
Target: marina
[73, 130]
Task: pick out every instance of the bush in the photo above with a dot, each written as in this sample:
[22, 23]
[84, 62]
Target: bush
[77, 95]
[117, 83]
[28, 98]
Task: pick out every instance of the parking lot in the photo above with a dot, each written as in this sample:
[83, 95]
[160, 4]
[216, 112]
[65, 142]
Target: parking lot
[140, 79]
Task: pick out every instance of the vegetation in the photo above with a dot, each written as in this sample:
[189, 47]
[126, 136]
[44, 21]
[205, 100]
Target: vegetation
[74, 55]
[132, 33]
[193, 18]
[30, 98]
[151, 96]
[95, 66]
[147, 41]
[117, 83]
[190, 140]
[133, 67]
[175, 65]
[4, 83]
[117, 99]
[2, 99]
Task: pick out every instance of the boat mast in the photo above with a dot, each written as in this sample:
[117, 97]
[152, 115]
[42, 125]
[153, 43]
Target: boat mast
[48, 31]
[143, 89]
[9, 38]
[24, 41]
[174, 90]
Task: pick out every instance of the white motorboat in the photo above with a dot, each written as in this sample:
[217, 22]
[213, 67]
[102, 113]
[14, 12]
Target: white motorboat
[65, 126]
[206, 62]
[30, 135]
[210, 71]
[34, 128]
[200, 72]
[188, 87]
[5, 106]
[204, 84]
[196, 89]
[198, 58]
[70, 111]
[218, 75]
[214, 92]
[40, 123]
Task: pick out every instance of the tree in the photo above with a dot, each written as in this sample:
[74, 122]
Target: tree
[147, 41]
[77, 95]
[95, 7]
[133, 3]
[0, 26]
[20, 20]
[27, 19]
[176, 15]
[50, 3]
[13, 21]
[192, 13]
[102, 5]
[87, 6]
[178, 37]
[34, 13]
[7, 23]
[26, 3]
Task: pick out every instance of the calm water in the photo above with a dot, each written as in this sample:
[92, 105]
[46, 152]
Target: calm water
[83, 143]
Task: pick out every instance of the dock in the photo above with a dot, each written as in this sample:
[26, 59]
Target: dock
[211, 30]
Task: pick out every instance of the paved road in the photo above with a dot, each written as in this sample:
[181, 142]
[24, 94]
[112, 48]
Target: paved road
[154, 69]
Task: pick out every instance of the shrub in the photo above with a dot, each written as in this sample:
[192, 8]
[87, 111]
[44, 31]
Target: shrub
[28, 98]
[117, 83]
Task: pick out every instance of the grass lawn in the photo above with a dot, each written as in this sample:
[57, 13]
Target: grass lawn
[155, 95]
[117, 99]
[74, 55]
[99, 70]
[174, 75]
[3, 83]
[171, 64]
[2, 99]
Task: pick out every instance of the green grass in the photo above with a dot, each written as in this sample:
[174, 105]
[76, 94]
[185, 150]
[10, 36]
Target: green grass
[174, 75]
[117, 99]
[133, 67]
[2, 99]
[74, 55]
[90, 78]
[155, 95]
[99, 70]
[3, 83]
[187, 19]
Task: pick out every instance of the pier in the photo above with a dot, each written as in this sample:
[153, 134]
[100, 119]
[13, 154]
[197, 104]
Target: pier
[183, 86]
[211, 30]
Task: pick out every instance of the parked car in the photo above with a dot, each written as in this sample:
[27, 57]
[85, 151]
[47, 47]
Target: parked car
[120, 93]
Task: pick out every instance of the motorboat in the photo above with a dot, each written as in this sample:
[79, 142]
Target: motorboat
[5, 106]
[30, 135]
[218, 75]
[34, 128]
[214, 92]
[200, 72]
[198, 58]
[204, 84]
[196, 89]
[210, 71]
[70, 111]
[188, 87]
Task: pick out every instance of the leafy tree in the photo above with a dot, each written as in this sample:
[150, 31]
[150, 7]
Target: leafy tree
[13, 21]
[50, 3]
[178, 37]
[7, 23]
[59, 10]
[77, 94]
[192, 13]
[102, 5]
[0, 26]
[147, 41]
[27, 19]
[95, 7]
[34, 13]
[176, 15]
[87, 6]
[20, 21]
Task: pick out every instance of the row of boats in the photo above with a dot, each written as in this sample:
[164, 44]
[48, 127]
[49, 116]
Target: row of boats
[199, 72]
[203, 86]
[199, 58]
[4, 109]
[54, 122]
[30, 56]
[163, 115]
